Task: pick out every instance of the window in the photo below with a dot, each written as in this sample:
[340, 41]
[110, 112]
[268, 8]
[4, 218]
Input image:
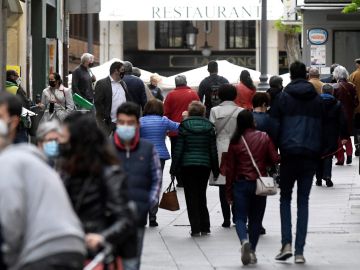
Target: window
[240, 34]
[170, 34]
[79, 27]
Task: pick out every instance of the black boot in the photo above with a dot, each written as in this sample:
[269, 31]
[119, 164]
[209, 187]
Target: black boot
[348, 160]
[318, 182]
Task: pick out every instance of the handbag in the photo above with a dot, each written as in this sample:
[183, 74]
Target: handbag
[265, 185]
[169, 200]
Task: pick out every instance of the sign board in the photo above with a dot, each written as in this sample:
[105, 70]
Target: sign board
[188, 10]
[85, 6]
[289, 10]
[16, 68]
[318, 55]
[317, 36]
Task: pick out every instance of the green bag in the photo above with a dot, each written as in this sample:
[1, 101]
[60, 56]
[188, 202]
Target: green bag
[82, 102]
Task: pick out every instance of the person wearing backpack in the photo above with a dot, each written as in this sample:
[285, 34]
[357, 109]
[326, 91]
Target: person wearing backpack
[209, 88]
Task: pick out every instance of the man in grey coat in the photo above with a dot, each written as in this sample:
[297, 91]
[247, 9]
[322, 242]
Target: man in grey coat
[39, 227]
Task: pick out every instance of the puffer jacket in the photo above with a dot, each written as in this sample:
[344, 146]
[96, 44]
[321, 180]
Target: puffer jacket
[298, 114]
[102, 205]
[239, 165]
[196, 145]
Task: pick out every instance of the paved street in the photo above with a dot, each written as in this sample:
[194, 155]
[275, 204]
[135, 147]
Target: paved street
[333, 240]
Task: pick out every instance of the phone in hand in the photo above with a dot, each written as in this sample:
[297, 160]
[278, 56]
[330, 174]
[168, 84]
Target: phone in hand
[51, 107]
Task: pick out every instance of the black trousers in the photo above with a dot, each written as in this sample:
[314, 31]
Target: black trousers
[173, 141]
[60, 261]
[195, 179]
[225, 207]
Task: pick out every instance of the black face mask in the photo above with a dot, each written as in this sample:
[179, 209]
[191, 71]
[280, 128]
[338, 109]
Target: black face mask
[52, 83]
[122, 74]
[91, 65]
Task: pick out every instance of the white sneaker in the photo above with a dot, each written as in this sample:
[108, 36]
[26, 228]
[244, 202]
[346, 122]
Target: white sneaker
[285, 253]
[300, 259]
[253, 259]
[245, 253]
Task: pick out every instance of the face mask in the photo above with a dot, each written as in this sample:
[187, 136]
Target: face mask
[122, 74]
[18, 81]
[52, 83]
[126, 133]
[51, 149]
[4, 128]
[91, 65]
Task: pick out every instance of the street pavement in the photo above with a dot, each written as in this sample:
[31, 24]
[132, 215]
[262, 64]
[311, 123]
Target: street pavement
[333, 240]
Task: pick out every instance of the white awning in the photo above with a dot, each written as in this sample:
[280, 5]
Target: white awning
[188, 10]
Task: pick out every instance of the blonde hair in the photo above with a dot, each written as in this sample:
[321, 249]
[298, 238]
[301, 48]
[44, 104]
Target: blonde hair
[155, 77]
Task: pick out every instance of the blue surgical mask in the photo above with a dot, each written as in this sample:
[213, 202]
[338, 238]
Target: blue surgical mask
[126, 133]
[51, 149]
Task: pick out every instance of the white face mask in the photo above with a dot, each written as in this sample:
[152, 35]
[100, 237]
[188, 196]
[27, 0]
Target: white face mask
[18, 81]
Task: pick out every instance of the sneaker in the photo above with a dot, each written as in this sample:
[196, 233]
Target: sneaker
[285, 253]
[195, 234]
[253, 259]
[205, 233]
[226, 224]
[329, 183]
[300, 259]
[153, 223]
[245, 253]
[318, 182]
[348, 160]
[357, 152]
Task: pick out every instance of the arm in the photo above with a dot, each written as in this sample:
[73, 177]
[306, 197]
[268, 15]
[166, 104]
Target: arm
[143, 94]
[273, 156]
[201, 91]
[156, 176]
[44, 100]
[212, 117]
[99, 100]
[171, 125]
[69, 99]
[75, 82]
[214, 154]
[179, 148]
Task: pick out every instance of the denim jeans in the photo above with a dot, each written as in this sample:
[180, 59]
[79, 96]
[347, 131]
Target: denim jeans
[302, 170]
[324, 168]
[248, 206]
[134, 263]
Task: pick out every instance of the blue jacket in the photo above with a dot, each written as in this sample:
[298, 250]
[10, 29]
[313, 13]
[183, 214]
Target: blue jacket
[298, 112]
[265, 123]
[136, 89]
[142, 166]
[154, 128]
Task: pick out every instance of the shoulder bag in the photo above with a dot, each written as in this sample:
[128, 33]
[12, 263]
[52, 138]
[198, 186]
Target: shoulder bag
[265, 185]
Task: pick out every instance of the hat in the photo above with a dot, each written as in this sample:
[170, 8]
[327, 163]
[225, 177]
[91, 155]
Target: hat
[45, 128]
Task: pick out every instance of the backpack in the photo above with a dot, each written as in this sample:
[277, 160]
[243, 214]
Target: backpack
[214, 95]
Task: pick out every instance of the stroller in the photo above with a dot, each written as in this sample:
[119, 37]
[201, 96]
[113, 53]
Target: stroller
[104, 258]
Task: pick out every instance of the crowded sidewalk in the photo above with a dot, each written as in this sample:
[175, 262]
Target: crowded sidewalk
[333, 240]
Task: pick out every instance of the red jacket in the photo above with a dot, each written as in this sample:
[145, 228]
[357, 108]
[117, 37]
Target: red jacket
[244, 96]
[176, 102]
[239, 165]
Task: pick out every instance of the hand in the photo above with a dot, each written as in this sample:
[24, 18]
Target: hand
[343, 142]
[172, 177]
[93, 240]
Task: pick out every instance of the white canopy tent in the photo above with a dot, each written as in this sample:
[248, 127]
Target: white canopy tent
[226, 69]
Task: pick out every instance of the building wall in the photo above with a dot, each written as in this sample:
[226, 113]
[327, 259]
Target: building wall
[77, 48]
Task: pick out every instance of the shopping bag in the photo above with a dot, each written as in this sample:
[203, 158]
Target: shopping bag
[169, 200]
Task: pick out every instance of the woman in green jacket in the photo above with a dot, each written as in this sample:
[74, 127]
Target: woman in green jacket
[195, 156]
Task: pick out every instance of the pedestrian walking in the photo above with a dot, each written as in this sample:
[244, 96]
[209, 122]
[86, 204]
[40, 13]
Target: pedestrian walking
[83, 78]
[345, 92]
[224, 117]
[141, 163]
[38, 225]
[195, 156]
[47, 139]
[154, 127]
[56, 99]
[209, 87]
[134, 85]
[314, 79]
[97, 186]
[299, 117]
[110, 93]
[276, 87]
[334, 129]
[154, 88]
[176, 103]
[245, 91]
[241, 178]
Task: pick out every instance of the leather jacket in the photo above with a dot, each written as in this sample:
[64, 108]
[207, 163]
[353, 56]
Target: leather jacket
[239, 166]
[102, 204]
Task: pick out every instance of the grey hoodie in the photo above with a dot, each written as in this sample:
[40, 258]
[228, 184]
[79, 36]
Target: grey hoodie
[36, 217]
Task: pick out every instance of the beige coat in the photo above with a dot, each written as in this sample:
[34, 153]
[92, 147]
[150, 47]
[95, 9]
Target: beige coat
[218, 115]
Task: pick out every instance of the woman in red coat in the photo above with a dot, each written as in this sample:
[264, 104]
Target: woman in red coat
[245, 91]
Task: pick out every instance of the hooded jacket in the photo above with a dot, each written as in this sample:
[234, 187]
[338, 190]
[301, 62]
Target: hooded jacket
[298, 113]
[36, 217]
[196, 145]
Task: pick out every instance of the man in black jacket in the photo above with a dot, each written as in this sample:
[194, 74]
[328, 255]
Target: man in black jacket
[134, 85]
[83, 79]
[110, 93]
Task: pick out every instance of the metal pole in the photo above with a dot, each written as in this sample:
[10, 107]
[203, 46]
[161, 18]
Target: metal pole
[263, 85]
[66, 45]
[28, 48]
[3, 42]
[90, 33]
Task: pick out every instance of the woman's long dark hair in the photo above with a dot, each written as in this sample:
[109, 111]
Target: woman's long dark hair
[245, 78]
[244, 121]
[88, 149]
